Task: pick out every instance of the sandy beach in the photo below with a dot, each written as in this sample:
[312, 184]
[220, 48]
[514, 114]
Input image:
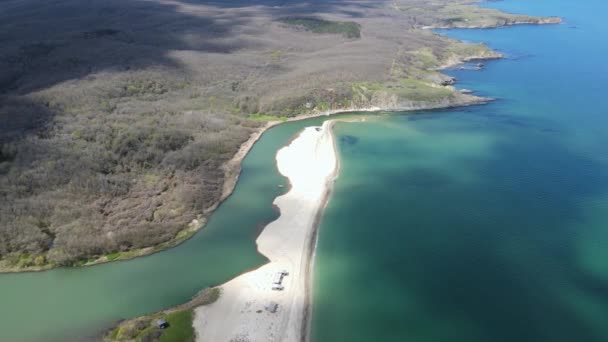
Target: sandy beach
[241, 314]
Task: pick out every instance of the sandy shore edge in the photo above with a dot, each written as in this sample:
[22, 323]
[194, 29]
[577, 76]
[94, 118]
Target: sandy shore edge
[310, 162]
[307, 319]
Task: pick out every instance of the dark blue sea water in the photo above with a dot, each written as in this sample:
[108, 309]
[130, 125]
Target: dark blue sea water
[480, 224]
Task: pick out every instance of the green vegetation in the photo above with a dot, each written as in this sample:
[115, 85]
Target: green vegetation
[425, 59]
[180, 323]
[180, 327]
[117, 118]
[112, 256]
[404, 90]
[348, 29]
[454, 14]
[464, 15]
[145, 329]
[467, 50]
[322, 105]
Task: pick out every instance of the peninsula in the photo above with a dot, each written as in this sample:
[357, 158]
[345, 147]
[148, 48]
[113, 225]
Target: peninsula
[271, 303]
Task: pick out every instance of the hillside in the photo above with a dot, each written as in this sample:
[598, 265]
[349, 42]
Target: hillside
[117, 118]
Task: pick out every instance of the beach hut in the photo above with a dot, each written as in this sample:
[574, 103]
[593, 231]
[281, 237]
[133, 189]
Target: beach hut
[162, 324]
[278, 278]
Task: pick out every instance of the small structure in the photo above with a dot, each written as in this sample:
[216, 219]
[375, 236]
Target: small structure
[278, 279]
[272, 307]
[277, 282]
[162, 324]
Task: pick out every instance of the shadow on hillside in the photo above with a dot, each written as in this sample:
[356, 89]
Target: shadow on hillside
[46, 43]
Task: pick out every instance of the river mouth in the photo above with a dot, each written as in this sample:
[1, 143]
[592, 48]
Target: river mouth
[69, 303]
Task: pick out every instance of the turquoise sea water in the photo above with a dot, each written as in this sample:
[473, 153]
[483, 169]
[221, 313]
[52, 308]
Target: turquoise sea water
[480, 224]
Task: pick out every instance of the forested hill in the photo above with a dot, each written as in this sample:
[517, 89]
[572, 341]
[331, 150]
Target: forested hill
[116, 116]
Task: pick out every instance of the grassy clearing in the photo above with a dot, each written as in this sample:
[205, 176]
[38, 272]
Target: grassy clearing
[457, 14]
[112, 256]
[180, 318]
[348, 29]
[467, 50]
[454, 14]
[406, 89]
[180, 327]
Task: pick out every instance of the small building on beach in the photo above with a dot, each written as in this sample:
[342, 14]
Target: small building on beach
[278, 278]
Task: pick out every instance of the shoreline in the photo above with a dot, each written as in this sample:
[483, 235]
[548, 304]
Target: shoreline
[531, 21]
[289, 244]
[232, 169]
[308, 313]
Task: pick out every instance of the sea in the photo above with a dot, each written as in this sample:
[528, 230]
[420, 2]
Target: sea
[486, 223]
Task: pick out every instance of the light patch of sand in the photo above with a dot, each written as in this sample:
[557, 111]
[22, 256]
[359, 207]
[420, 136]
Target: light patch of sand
[310, 163]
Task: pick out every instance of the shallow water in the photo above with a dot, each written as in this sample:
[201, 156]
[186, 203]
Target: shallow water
[481, 224]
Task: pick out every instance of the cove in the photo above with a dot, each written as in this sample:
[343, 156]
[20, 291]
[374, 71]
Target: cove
[67, 304]
[481, 224]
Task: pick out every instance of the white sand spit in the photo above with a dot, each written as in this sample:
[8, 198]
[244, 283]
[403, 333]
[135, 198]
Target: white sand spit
[240, 314]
